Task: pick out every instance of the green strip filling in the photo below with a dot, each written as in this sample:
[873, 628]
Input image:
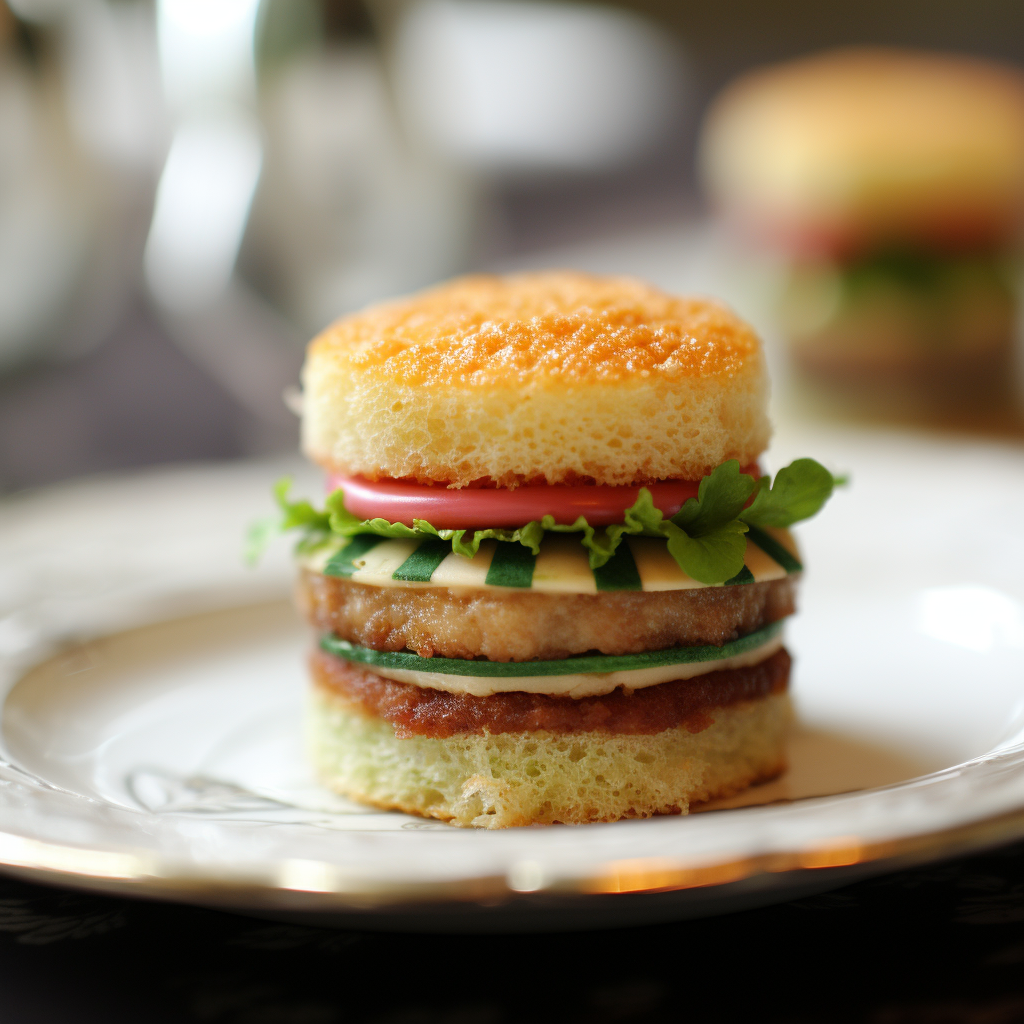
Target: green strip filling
[619, 572]
[420, 565]
[773, 549]
[511, 566]
[584, 663]
[743, 576]
[343, 563]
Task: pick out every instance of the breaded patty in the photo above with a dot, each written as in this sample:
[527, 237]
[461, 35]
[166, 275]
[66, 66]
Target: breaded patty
[521, 626]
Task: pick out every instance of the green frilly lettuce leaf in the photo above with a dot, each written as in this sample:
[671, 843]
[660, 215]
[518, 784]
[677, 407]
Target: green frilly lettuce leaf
[705, 537]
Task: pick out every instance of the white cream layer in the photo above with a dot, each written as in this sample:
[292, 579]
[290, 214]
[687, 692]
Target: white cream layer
[578, 685]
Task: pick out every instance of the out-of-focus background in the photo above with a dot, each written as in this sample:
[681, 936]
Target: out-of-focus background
[189, 189]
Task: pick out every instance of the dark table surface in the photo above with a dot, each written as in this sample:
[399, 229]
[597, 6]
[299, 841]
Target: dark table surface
[937, 945]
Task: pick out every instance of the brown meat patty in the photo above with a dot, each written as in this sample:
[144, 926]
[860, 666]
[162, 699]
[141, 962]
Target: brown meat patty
[417, 711]
[520, 626]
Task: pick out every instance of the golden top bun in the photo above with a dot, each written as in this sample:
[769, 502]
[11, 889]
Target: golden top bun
[552, 377]
[862, 146]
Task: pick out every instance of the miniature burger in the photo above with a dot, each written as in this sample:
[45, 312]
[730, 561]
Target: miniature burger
[893, 184]
[550, 580]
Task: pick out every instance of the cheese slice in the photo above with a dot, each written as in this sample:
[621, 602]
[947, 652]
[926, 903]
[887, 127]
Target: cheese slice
[561, 567]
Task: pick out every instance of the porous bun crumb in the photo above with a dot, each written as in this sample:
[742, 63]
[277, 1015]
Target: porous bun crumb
[861, 146]
[497, 781]
[553, 377]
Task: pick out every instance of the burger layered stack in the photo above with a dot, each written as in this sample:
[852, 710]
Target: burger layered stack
[550, 580]
[893, 185]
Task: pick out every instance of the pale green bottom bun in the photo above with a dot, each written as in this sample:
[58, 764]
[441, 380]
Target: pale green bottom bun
[525, 778]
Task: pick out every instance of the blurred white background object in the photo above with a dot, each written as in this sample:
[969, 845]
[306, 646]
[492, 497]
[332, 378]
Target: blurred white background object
[208, 68]
[513, 85]
[202, 205]
[46, 215]
[114, 94]
[206, 51]
[349, 209]
[206, 188]
[83, 130]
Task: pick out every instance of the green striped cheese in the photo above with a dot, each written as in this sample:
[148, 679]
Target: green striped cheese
[511, 565]
[420, 565]
[619, 572]
[562, 566]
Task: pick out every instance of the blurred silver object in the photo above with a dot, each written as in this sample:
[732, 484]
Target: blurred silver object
[206, 187]
[45, 217]
[202, 206]
[210, 175]
[349, 209]
[83, 131]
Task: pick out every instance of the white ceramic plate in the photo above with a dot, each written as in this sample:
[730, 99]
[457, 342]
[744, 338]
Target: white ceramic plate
[151, 718]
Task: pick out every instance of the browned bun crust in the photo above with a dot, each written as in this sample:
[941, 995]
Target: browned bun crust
[523, 626]
[854, 147]
[548, 377]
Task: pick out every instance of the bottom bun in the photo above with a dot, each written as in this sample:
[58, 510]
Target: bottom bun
[542, 777]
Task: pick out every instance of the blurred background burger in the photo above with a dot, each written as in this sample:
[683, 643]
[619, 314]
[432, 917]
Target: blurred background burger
[892, 185]
[189, 189]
